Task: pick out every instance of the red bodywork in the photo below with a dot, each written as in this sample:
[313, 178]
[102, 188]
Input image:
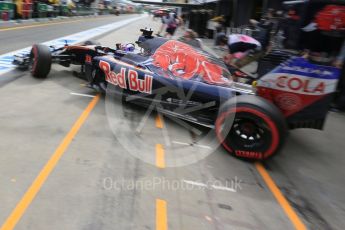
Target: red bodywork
[331, 17]
[185, 62]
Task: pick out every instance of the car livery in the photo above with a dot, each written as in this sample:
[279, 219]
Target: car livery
[299, 87]
[250, 120]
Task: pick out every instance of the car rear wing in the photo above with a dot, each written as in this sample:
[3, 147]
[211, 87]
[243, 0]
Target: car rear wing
[302, 90]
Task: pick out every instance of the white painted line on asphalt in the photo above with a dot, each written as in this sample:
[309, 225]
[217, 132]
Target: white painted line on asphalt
[166, 136]
[187, 144]
[216, 187]
[195, 183]
[223, 188]
[180, 143]
[208, 218]
[82, 94]
[6, 59]
[144, 120]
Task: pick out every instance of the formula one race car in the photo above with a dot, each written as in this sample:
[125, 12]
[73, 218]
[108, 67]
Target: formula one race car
[250, 117]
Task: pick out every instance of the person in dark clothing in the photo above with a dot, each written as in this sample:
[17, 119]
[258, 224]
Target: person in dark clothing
[339, 102]
[220, 34]
[263, 29]
[170, 22]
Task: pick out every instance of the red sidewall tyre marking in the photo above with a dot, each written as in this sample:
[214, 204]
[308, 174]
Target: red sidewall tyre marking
[271, 124]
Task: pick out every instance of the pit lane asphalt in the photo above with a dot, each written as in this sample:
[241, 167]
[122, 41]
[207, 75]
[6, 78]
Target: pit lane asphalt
[81, 193]
[25, 36]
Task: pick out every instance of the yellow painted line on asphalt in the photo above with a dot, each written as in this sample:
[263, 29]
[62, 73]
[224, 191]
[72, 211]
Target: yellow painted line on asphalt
[159, 121]
[160, 159]
[296, 221]
[47, 24]
[161, 215]
[35, 187]
[161, 205]
[160, 154]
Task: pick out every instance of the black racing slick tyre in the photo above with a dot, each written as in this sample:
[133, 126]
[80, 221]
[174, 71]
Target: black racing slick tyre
[250, 127]
[91, 43]
[40, 61]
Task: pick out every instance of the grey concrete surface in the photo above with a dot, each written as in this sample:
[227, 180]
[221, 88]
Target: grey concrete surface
[12, 40]
[310, 171]
[92, 185]
[31, 21]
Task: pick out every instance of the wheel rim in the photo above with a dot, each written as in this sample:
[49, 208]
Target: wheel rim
[249, 134]
[32, 61]
[246, 147]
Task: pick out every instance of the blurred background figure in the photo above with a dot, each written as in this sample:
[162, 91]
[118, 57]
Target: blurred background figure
[339, 102]
[190, 37]
[170, 23]
[184, 21]
[220, 34]
[239, 46]
[263, 28]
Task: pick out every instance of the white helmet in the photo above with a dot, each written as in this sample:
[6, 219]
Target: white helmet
[129, 47]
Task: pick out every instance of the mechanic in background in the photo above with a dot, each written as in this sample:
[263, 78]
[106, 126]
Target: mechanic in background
[264, 28]
[339, 103]
[190, 37]
[239, 48]
[220, 34]
[170, 22]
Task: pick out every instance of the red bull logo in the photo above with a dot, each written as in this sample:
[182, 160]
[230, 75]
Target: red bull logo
[186, 62]
[120, 79]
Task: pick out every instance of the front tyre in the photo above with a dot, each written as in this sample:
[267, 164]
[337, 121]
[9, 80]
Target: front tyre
[40, 61]
[249, 127]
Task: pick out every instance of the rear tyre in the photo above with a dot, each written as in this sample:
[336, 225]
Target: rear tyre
[249, 127]
[91, 43]
[40, 61]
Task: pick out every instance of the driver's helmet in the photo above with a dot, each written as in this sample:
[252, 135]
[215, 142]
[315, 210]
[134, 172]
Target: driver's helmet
[129, 47]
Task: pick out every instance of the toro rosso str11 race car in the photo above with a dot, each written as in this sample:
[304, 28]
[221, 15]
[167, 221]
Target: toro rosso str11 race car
[250, 117]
